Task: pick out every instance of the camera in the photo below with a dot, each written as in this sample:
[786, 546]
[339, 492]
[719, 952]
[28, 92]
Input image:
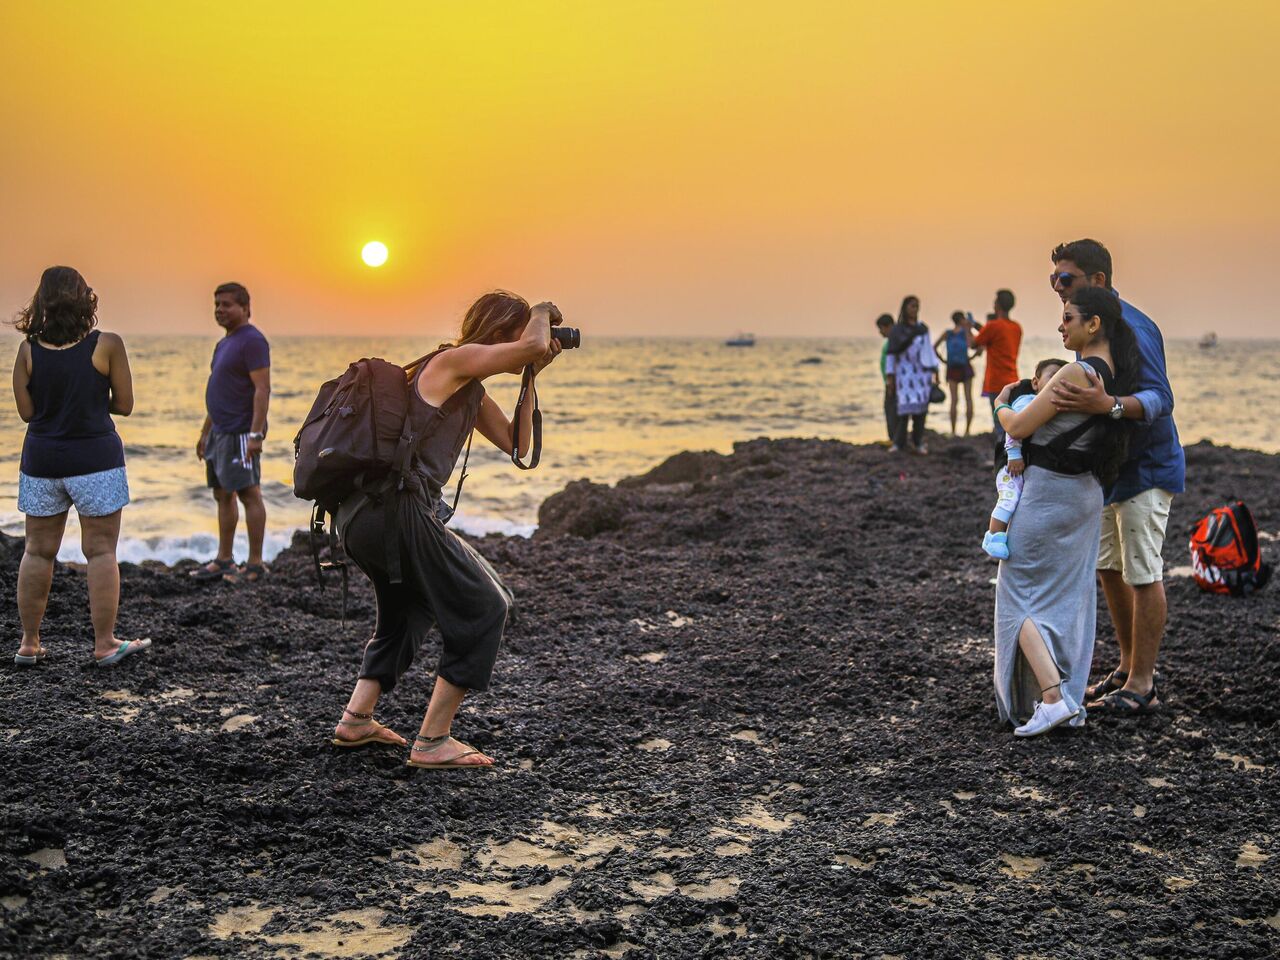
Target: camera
[570, 337]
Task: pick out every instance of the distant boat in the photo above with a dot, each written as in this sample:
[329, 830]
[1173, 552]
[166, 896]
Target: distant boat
[741, 340]
[1208, 341]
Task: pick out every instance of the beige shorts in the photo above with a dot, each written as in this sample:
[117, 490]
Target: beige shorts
[1133, 537]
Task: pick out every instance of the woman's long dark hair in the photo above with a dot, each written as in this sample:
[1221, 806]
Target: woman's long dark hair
[1125, 358]
[63, 310]
[902, 310]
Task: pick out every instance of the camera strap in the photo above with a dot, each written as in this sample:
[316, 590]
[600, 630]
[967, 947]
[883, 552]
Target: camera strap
[527, 391]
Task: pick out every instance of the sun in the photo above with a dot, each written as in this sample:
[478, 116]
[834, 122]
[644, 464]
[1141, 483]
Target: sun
[374, 253]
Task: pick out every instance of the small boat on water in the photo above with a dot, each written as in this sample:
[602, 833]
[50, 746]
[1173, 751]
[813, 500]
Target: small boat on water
[1209, 341]
[741, 340]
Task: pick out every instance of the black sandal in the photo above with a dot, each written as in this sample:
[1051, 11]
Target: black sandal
[204, 573]
[1115, 680]
[1126, 703]
[249, 573]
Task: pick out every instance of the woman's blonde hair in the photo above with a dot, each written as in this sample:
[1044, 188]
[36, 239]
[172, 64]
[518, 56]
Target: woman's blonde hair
[493, 317]
[496, 314]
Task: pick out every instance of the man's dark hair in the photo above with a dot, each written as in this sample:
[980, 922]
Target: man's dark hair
[1049, 362]
[237, 290]
[1005, 300]
[884, 320]
[957, 316]
[1089, 255]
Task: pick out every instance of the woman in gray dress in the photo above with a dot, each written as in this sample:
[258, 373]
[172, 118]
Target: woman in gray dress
[1046, 594]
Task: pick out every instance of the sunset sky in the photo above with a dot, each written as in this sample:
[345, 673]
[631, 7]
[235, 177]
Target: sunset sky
[683, 167]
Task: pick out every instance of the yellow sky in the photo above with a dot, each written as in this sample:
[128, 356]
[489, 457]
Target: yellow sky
[659, 167]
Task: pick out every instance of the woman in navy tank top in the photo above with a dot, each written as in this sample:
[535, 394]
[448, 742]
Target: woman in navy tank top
[68, 379]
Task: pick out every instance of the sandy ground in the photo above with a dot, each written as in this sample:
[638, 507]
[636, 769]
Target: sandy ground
[744, 710]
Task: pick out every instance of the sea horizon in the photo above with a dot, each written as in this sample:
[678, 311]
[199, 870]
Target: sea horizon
[614, 408]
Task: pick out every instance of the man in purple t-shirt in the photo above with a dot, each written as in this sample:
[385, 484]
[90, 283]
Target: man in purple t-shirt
[230, 443]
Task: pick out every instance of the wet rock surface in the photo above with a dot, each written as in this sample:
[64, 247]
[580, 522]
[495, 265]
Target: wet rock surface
[744, 710]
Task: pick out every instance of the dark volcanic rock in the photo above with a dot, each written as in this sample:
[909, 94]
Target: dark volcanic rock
[582, 509]
[745, 711]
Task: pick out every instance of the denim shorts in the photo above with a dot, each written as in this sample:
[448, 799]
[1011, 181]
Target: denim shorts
[92, 494]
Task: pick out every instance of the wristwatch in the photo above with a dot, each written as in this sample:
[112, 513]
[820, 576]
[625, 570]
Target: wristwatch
[263, 436]
[1117, 410]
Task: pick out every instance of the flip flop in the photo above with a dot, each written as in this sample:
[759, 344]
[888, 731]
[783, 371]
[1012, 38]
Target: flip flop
[204, 573]
[126, 649]
[366, 740]
[22, 660]
[452, 762]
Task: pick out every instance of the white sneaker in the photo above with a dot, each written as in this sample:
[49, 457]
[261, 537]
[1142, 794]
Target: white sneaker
[1046, 717]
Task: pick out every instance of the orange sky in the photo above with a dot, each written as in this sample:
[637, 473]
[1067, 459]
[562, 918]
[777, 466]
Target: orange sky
[690, 167]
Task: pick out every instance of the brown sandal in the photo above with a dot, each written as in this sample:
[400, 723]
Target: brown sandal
[364, 720]
[450, 764]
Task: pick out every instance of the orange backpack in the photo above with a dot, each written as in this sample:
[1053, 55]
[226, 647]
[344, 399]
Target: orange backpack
[1224, 552]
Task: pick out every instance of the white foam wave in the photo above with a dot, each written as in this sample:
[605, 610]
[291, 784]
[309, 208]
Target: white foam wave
[169, 549]
[477, 526]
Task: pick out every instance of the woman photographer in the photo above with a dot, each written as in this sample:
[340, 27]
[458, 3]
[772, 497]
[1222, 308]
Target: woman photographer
[445, 581]
[1046, 594]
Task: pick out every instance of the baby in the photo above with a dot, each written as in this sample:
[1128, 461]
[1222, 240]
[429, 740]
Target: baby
[1009, 480]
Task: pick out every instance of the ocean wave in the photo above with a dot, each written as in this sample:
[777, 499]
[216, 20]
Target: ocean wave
[480, 526]
[171, 549]
[202, 546]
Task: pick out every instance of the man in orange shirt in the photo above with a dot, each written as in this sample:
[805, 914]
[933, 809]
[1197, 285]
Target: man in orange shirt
[1000, 339]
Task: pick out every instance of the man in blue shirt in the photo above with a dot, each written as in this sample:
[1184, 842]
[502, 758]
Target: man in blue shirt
[230, 443]
[1137, 506]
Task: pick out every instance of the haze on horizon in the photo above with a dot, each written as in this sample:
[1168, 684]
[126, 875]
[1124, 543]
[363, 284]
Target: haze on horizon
[653, 167]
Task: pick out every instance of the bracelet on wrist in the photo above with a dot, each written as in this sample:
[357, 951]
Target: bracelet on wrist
[1003, 406]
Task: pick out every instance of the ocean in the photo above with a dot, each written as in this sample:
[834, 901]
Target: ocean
[614, 408]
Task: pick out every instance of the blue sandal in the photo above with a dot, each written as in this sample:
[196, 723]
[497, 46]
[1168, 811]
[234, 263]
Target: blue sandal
[126, 649]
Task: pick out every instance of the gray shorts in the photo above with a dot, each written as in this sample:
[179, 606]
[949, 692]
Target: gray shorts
[92, 494]
[227, 463]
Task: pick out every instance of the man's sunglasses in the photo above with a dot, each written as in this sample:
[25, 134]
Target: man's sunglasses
[1063, 278]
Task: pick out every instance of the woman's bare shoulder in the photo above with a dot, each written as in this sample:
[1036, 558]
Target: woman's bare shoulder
[110, 341]
[1073, 372]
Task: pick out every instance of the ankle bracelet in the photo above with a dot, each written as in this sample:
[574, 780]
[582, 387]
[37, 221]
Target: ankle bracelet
[359, 716]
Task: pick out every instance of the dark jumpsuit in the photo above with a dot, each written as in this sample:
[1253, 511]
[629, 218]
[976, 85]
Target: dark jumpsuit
[445, 582]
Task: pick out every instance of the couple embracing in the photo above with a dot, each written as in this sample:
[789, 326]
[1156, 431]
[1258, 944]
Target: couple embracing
[1102, 464]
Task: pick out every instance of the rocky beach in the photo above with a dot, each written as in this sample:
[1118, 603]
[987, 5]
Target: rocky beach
[744, 710]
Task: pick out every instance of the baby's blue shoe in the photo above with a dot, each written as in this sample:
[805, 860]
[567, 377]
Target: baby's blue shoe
[996, 545]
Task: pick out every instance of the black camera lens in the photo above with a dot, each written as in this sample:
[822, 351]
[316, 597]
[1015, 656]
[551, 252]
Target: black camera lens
[570, 337]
